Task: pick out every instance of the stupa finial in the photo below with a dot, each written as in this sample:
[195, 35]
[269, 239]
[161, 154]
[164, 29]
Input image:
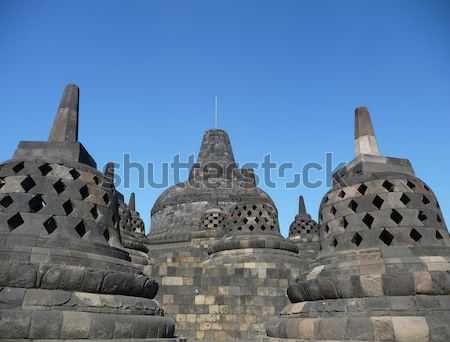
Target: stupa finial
[132, 203]
[65, 126]
[365, 139]
[301, 206]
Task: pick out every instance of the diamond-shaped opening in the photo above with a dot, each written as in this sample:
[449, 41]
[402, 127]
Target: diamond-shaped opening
[6, 201]
[18, 167]
[68, 207]
[244, 207]
[45, 169]
[254, 207]
[368, 220]
[84, 192]
[396, 216]
[272, 227]
[386, 237]
[327, 228]
[263, 227]
[15, 221]
[239, 228]
[341, 194]
[249, 213]
[2, 182]
[410, 185]
[50, 225]
[334, 242]
[257, 220]
[405, 199]
[28, 184]
[59, 186]
[245, 220]
[415, 235]
[239, 213]
[106, 234]
[353, 205]
[425, 200]
[96, 180]
[356, 239]
[114, 220]
[388, 186]
[80, 229]
[362, 189]
[421, 216]
[75, 174]
[344, 223]
[378, 201]
[438, 218]
[37, 203]
[251, 228]
[333, 210]
[106, 198]
[438, 235]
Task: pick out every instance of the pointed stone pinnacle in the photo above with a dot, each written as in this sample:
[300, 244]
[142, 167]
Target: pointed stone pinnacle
[109, 172]
[365, 139]
[132, 203]
[65, 125]
[301, 206]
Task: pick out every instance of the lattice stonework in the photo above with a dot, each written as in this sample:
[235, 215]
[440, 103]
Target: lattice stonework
[382, 212]
[303, 227]
[53, 199]
[213, 219]
[253, 218]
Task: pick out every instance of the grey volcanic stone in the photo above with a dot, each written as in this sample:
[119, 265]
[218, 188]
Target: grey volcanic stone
[61, 252]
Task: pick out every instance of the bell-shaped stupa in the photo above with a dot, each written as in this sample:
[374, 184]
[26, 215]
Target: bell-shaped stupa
[383, 270]
[63, 272]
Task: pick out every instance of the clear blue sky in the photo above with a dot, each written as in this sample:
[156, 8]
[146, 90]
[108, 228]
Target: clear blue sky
[289, 75]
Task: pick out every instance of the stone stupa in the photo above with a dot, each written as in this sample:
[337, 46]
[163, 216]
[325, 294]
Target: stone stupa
[383, 270]
[63, 271]
[304, 232]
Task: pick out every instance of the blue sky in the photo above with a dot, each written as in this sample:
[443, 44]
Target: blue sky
[289, 75]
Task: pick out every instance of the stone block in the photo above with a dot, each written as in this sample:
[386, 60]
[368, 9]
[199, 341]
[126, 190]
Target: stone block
[359, 329]
[14, 324]
[309, 328]
[410, 329]
[333, 329]
[76, 325]
[46, 324]
[382, 328]
[102, 327]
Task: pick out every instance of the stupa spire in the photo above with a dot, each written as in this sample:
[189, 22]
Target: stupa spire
[365, 139]
[65, 126]
[132, 203]
[301, 206]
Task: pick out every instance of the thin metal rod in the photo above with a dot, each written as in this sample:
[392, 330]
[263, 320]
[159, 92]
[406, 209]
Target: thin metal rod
[216, 118]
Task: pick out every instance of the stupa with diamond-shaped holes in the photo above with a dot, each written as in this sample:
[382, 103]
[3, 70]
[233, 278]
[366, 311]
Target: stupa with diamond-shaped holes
[63, 271]
[304, 232]
[382, 273]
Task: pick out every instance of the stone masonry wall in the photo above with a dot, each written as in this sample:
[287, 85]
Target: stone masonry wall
[229, 295]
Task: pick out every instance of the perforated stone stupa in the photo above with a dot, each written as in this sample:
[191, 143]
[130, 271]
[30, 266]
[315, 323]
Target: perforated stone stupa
[224, 265]
[214, 180]
[63, 271]
[383, 270]
[304, 232]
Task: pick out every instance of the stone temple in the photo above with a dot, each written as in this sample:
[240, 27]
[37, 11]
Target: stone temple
[75, 263]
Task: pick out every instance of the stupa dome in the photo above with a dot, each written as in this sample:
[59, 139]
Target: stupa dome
[214, 181]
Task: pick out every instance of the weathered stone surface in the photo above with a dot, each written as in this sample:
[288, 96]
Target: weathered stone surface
[63, 267]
